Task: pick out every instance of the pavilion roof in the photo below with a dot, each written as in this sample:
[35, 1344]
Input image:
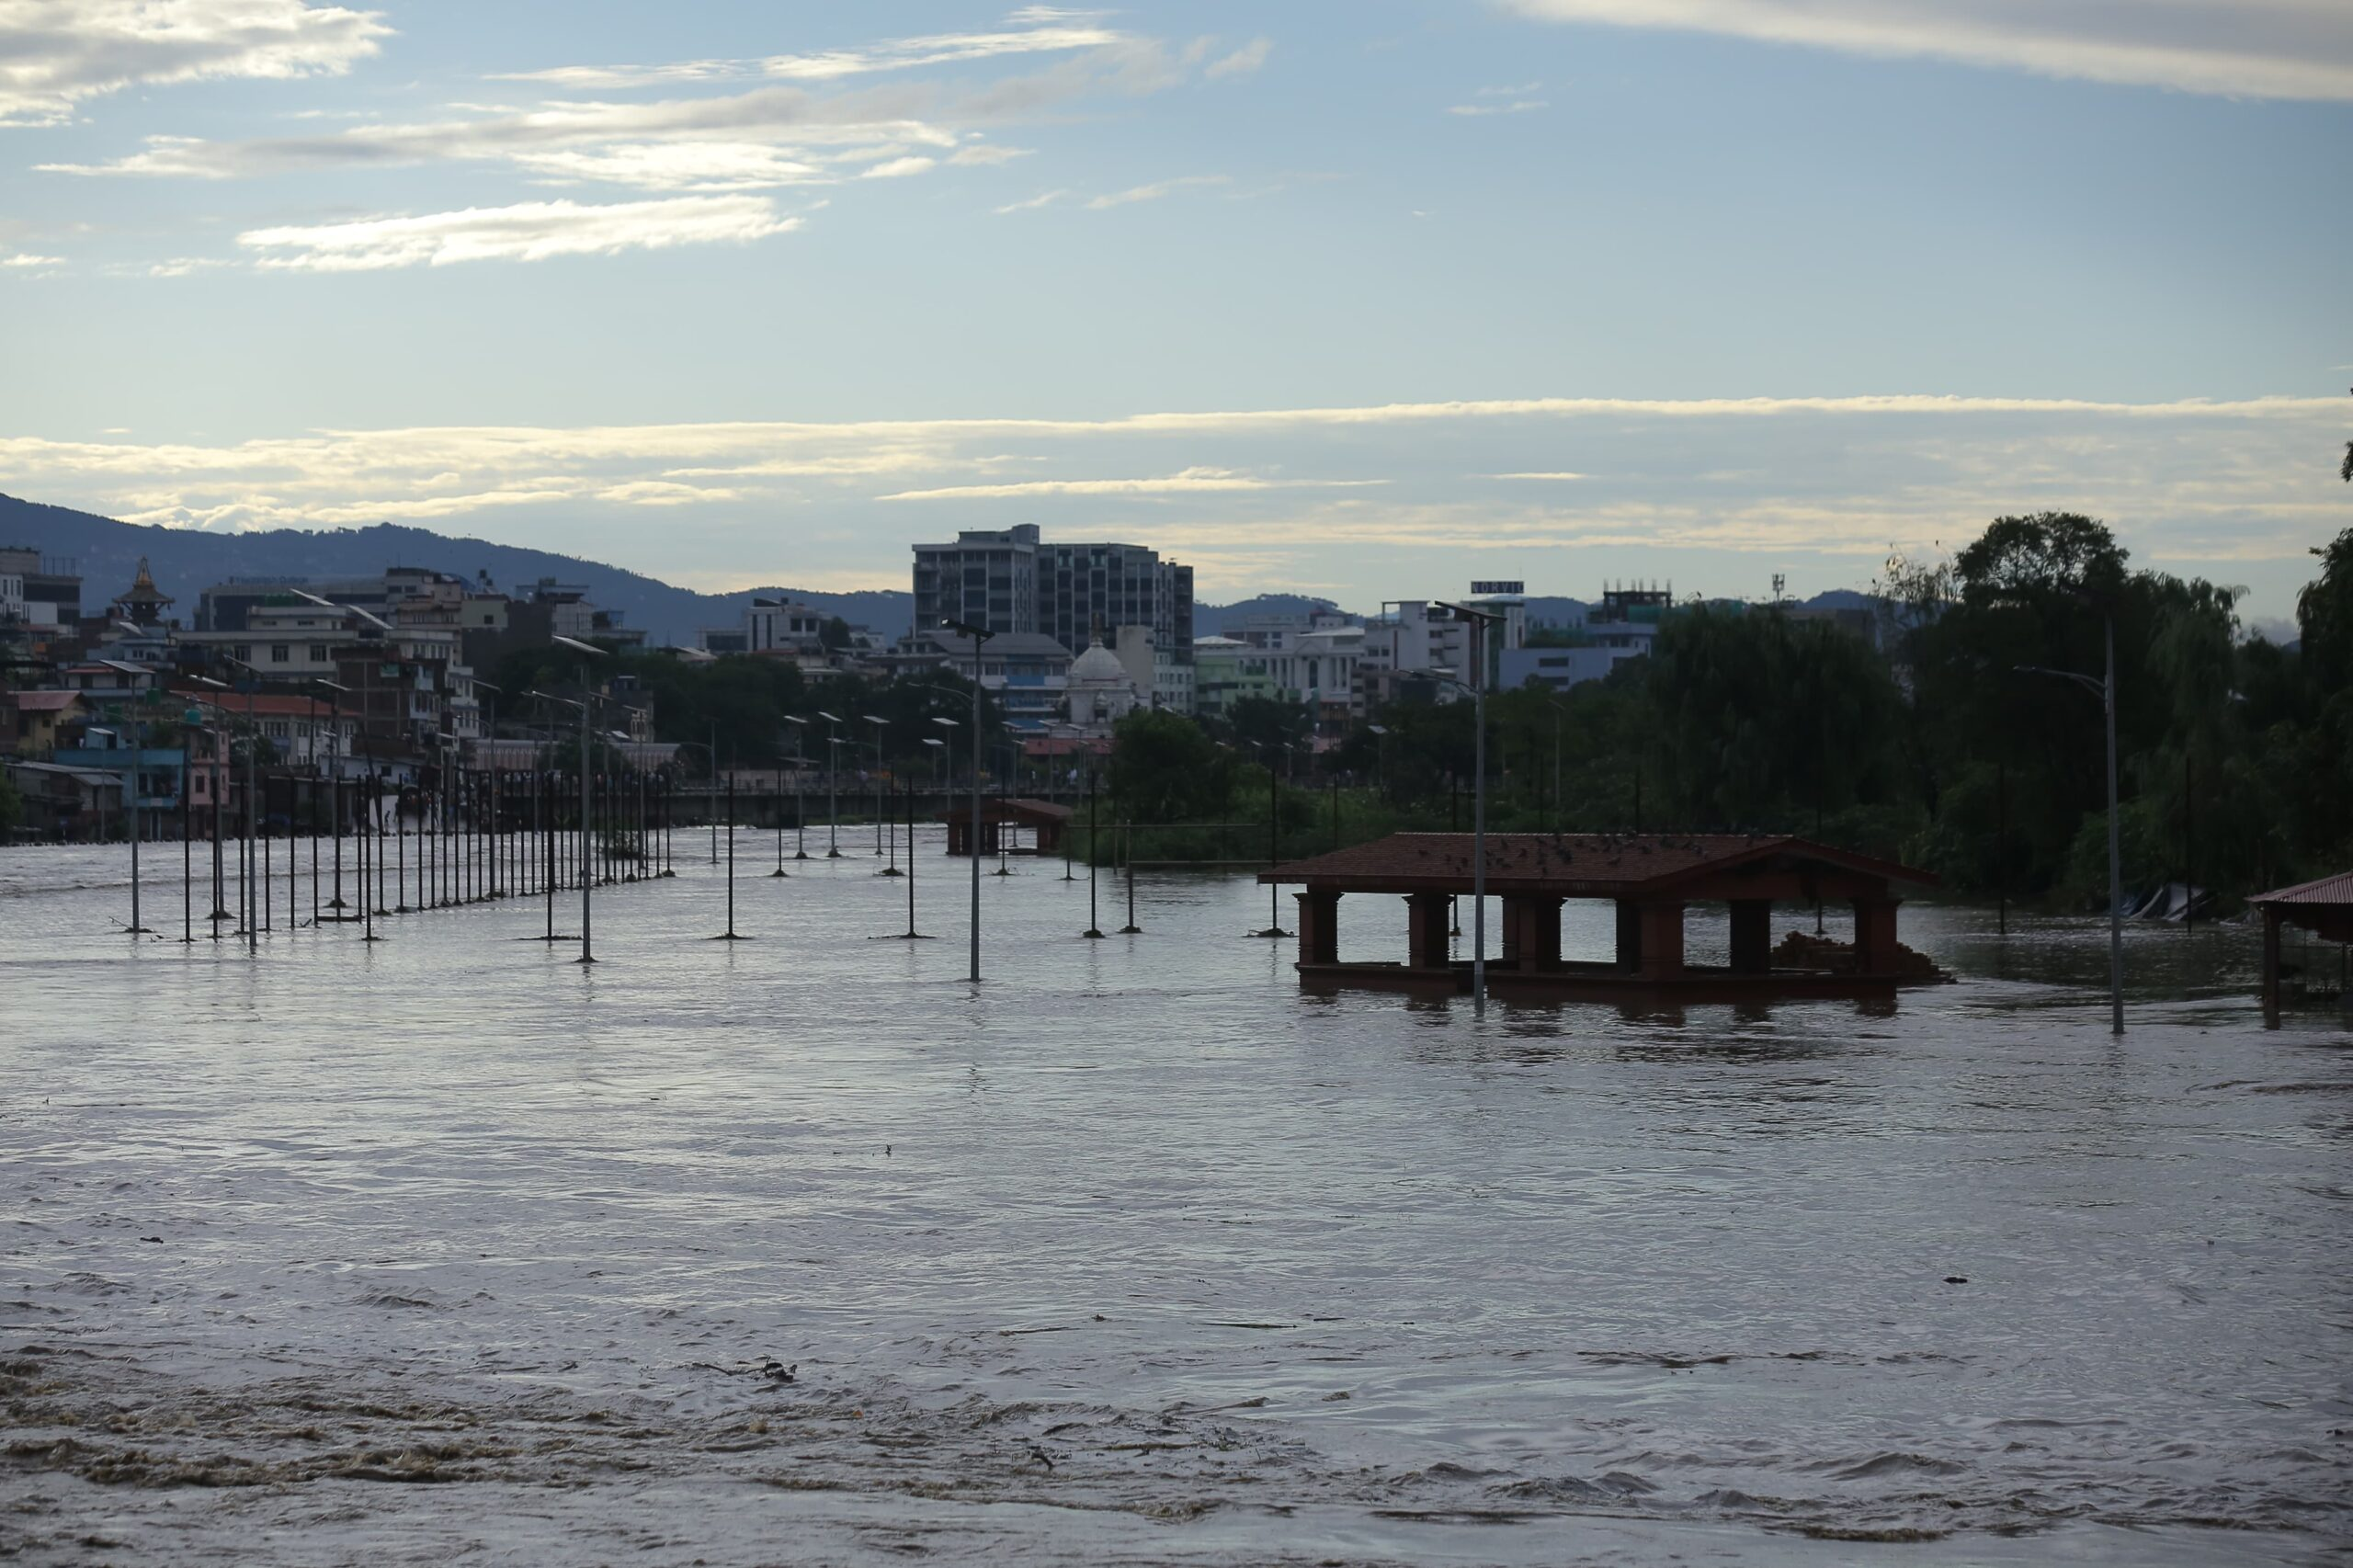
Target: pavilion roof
[1020, 808]
[1576, 865]
[2336, 890]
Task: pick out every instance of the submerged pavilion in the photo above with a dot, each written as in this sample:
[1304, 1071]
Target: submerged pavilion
[1653, 879]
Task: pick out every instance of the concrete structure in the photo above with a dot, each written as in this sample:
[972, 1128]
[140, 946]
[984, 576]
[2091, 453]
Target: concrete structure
[1012, 582]
[2324, 907]
[1651, 878]
[1003, 819]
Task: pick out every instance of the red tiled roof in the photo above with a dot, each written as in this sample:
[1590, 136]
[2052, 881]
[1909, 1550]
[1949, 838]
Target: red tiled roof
[1583, 865]
[1021, 808]
[2338, 888]
[265, 705]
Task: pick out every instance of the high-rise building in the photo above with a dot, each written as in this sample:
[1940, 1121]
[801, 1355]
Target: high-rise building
[1010, 580]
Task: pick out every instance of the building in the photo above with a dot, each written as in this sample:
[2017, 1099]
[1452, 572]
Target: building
[1028, 675]
[1011, 581]
[1154, 670]
[1100, 690]
[34, 723]
[1226, 670]
[44, 591]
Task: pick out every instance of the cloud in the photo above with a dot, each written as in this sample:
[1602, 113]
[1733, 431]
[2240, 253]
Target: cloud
[1154, 191]
[1192, 481]
[1044, 199]
[2247, 485]
[986, 154]
[1243, 61]
[54, 53]
[1051, 36]
[532, 231]
[26, 258]
[2276, 48]
[1517, 106]
[899, 167]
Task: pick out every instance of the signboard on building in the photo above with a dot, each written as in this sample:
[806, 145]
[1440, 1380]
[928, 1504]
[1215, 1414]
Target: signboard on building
[1499, 587]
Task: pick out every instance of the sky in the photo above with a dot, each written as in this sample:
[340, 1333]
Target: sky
[1364, 299]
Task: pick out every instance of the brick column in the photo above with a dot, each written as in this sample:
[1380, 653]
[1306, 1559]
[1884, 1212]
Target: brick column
[1875, 936]
[1425, 945]
[1752, 936]
[1319, 926]
[1661, 940]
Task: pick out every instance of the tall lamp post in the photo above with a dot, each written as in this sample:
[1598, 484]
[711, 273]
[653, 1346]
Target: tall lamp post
[1480, 620]
[980, 636]
[2104, 689]
[587, 702]
[833, 785]
[131, 790]
[800, 788]
[880, 726]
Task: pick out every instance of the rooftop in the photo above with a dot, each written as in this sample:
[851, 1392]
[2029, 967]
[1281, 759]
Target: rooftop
[2338, 888]
[1576, 865]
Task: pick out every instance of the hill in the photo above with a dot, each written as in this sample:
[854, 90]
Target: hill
[187, 561]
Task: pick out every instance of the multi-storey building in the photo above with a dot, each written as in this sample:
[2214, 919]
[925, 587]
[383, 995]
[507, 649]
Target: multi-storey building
[1011, 581]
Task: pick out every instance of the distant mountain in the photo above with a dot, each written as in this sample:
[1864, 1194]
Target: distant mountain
[1209, 620]
[185, 562]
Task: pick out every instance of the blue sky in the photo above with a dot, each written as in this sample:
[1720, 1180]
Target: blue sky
[1358, 299]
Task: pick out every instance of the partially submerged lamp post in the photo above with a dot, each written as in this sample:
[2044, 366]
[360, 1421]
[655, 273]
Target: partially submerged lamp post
[882, 818]
[833, 785]
[800, 788]
[590, 651]
[2104, 689]
[1480, 620]
[137, 738]
[979, 639]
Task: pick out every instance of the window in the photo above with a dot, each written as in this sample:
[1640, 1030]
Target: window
[280, 653]
[318, 653]
[275, 729]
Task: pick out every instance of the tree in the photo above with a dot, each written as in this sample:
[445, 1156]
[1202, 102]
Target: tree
[2325, 616]
[835, 635]
[1164, 769]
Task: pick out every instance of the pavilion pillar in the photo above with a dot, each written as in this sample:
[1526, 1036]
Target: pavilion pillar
[2271, 966]
[1875, 936]
[1426, 928]
[1532, 931]
[1752, 936]
[1513, 933]
[1662, 925]
[1319, 926]
[1630, 937]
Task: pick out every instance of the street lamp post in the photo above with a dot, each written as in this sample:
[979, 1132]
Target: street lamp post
[1480, 620]
[800, 788]
[881, 725]
[2104, 689]
[979, 639]
[131, 790]
[587, 702]
[833, 785]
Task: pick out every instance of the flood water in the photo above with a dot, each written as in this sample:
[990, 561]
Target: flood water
[447, 1249]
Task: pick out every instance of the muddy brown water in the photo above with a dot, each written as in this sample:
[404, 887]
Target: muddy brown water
[803, 1249]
